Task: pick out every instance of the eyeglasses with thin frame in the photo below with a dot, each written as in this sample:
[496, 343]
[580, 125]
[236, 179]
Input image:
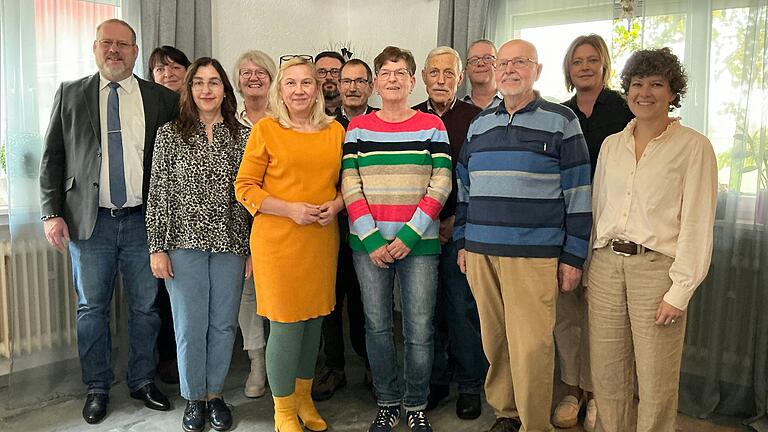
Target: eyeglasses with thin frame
[517, 63]
[487, 59]
[106, 44]
[258, 73]
[335, 72]
[289, 57]
[199, 84]
[357, 81]
[400, 74]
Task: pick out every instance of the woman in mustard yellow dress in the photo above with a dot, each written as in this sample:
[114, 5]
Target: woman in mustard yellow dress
[288, 181]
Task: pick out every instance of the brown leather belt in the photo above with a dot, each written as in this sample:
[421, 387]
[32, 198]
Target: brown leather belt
[627, 248]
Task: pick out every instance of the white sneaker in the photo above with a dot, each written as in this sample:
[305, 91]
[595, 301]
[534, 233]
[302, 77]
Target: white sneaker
[567, 412]
[256, 384]
[591, 418]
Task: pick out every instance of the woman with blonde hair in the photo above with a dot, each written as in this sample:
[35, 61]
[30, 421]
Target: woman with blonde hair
[288, 181]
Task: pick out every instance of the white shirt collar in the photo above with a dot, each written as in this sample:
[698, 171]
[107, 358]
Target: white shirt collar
[128, 85]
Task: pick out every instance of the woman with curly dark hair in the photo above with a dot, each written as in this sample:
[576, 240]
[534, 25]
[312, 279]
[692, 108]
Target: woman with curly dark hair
[653, 204]
[198, 236]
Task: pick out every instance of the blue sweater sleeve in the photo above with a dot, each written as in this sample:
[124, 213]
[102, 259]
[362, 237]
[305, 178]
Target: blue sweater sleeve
[577, 194]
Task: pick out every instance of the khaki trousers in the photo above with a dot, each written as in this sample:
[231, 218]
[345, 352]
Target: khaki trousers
[572, 339]
[516, 302]
[624, 294]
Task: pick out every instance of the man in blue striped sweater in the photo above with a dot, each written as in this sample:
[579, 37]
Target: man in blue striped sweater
[523, 221]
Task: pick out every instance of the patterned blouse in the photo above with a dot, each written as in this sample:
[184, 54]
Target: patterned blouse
[191, 202]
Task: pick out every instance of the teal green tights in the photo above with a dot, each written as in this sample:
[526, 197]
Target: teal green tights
[292, 353]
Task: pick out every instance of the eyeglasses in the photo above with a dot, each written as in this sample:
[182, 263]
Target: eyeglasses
[517, 63]
[213, 84]
[106, 44]
[258, 73]
[475, 60]
[400, 74]
[289, 57]
[356, 81]
[335, 72]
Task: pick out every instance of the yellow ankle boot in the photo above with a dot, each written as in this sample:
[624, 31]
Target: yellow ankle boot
[285, 414]
[306, 408]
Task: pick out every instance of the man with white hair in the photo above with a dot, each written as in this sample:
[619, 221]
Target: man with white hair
[457, 326]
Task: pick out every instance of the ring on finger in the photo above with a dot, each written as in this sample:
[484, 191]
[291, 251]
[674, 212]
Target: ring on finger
[672, 322]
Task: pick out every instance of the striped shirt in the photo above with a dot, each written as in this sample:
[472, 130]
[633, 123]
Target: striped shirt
[524, 185]
[395, 179]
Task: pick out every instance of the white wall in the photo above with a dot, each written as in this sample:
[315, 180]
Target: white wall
[280, 27]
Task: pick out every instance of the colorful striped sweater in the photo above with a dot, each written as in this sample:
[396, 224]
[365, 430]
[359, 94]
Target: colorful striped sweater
[524, 185]
[395, 179]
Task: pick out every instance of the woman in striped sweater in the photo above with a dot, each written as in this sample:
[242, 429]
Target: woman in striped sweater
[396, 176]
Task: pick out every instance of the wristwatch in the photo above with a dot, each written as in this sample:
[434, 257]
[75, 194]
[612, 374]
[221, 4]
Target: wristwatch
[50, 216]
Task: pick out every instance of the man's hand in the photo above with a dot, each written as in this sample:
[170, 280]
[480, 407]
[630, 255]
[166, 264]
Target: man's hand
[461, 260]
[381, 257]
[568, 277]
[57, 233]
[397, 249]
[667, 314]
[446, 229]
[160, 263]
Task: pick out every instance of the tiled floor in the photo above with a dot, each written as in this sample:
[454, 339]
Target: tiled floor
[351, 409]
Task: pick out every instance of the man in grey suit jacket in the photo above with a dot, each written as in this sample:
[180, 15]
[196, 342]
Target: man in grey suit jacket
[94, 179]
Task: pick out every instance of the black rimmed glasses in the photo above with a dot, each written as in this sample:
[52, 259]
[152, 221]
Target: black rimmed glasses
[334, 72]
[289, 57]
[487, 59]
[517, 63]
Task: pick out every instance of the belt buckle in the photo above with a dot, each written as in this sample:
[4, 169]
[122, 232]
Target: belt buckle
[114, 212]
[620, 241]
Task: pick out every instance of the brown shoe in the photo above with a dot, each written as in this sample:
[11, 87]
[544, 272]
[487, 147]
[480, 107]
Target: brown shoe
[505, 424]
[327, 384]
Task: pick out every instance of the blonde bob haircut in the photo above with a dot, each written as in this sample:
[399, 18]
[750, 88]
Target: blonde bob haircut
[276, 107]
[260, 59]
[443, 50]
[599, 45]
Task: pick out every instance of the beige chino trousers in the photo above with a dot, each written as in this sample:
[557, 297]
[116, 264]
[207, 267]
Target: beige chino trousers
[516, 300]
[572, 339]
[624, 294]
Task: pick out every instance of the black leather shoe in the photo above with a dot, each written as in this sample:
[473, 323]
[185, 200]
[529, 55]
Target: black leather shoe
[436, 394]
[506, 424]
[219, 414]
[95, 408]
[194, 416]
[468, 406]
[153, 398]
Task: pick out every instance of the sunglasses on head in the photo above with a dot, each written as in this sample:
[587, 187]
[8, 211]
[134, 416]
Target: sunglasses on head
[289, 57]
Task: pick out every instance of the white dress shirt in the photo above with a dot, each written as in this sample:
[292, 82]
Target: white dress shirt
[132, 127]
[665, 201]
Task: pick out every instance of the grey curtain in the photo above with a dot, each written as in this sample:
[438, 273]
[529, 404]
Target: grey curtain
[460, 23]
[184, 24]
[725, 361]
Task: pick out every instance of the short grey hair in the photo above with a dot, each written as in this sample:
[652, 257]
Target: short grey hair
[260, 59]
[440, 51]
[483, 41]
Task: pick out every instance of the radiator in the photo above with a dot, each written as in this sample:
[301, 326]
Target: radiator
[37, 301]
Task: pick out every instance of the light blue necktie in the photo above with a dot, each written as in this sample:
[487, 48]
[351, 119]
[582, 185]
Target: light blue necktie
[115, 148]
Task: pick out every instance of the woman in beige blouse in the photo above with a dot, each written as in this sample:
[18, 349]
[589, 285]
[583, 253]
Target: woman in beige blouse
[653, 203]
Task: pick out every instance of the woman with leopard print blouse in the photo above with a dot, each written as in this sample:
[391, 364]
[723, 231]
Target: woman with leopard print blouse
[198, 236]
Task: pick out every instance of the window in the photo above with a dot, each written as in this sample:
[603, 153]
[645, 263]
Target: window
[722, 44]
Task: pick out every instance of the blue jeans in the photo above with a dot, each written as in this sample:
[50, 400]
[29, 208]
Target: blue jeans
[418, 287]
[118, 243]
[457, 328]
[205, 298]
